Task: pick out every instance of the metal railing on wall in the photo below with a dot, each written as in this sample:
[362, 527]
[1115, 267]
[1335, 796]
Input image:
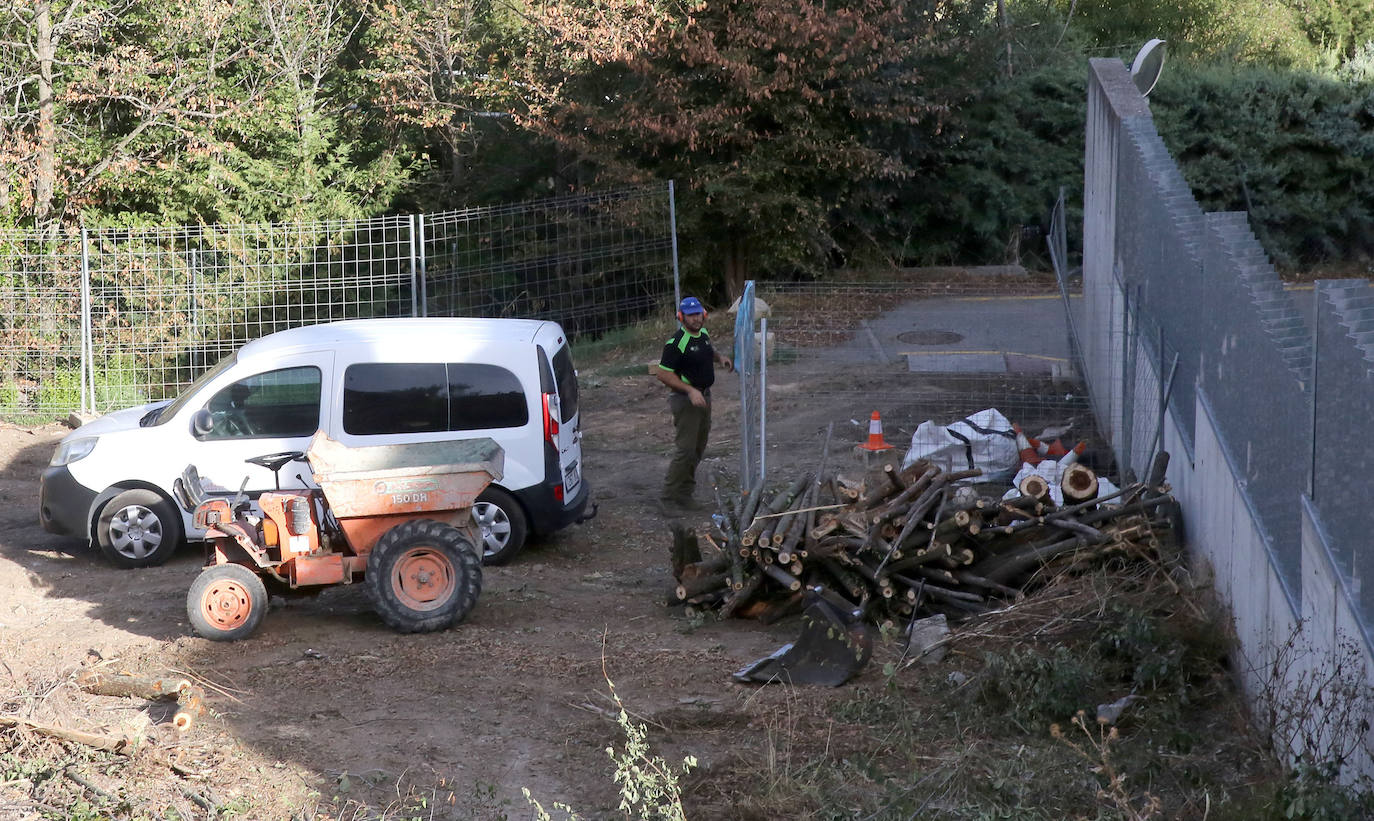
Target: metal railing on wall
[96, 319]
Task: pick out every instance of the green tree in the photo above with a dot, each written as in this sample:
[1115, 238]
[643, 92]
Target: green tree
[284, 139]
[774, 114]
[194, 110]
[1339, 28]
[435, 80]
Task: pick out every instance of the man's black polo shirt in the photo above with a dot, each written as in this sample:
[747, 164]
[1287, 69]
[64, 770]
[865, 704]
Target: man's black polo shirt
[691, 357]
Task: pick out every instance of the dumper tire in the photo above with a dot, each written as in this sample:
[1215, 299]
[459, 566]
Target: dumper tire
[226, 602]
[423, 576]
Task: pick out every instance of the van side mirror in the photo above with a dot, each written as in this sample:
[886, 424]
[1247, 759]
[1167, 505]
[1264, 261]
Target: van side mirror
[202, 422]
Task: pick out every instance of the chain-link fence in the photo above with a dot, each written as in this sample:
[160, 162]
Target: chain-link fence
[928, 345]
[100, 319]
[1190, 335]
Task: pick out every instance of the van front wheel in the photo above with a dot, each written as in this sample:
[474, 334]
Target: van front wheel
[138, 528]
[503, 525]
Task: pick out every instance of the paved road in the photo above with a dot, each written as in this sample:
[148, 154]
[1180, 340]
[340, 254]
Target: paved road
[972, 335]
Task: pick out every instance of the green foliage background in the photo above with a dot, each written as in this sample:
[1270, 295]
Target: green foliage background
[950, 152]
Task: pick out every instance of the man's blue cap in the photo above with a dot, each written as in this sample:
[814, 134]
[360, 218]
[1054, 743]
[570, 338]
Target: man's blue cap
[690, 305]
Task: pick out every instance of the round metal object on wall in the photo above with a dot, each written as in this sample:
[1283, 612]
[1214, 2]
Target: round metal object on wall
[1148, 65]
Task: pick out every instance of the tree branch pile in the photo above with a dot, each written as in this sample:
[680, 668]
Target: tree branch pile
[903, 543]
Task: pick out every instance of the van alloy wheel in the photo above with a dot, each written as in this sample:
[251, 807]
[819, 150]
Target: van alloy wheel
[503, 525]
[138, 528]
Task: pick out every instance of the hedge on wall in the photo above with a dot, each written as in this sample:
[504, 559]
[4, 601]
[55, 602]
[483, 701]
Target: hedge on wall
[1295, 150]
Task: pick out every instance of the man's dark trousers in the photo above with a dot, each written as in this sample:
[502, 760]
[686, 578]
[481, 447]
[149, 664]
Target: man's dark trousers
[693, 426]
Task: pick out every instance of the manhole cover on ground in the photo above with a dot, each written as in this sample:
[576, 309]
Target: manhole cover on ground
[930, 337]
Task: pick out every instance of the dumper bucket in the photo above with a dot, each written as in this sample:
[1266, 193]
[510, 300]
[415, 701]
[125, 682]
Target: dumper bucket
[372, 489]
[834, 646]
[414, 477]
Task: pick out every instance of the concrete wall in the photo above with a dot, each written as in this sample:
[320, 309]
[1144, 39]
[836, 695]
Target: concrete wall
[1266, 425]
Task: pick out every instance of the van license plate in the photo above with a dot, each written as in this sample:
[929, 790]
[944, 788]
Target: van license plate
[570, 478]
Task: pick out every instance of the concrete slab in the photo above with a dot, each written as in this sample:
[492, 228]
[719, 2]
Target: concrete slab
[955, 362]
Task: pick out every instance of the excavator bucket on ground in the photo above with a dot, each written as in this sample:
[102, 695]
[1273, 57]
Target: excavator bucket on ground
[834, 646]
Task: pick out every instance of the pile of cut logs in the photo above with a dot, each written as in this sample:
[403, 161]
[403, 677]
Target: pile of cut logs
[901, 543]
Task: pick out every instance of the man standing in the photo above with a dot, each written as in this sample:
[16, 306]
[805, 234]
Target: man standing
[687, 367]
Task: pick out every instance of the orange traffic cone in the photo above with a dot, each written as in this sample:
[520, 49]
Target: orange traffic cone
[1023, 443]
[1056, 449]
[1072, 456]
[875, 434]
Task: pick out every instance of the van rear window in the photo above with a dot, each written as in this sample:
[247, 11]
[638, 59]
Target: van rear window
[485, 396]
[388, 398]
[566, 375]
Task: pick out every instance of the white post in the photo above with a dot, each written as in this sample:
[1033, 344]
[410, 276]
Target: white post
[414, 272]
[424, 273]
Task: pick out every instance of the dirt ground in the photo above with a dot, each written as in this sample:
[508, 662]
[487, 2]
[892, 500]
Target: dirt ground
[325, 711]
[325, 706]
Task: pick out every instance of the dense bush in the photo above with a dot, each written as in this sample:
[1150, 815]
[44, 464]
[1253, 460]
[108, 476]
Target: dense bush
[1004, 157]
[1295, 150]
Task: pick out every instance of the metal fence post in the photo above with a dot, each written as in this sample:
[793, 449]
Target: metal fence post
[414, 271]
[1316, 367]
[1166, 383]
[1125, 458]
[672, 231]
[87, 349]
[763, 394]
[424, 272]
[744, 365]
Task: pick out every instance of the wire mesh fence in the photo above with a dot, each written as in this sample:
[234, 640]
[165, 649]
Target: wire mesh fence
[934, 346]
[101, 319]
[41, 321]
[593, 262]
[167, 303]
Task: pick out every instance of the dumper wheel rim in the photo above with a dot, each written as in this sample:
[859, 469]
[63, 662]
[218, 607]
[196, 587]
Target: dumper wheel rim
[226, 602]
[423, 578]
[452, 569]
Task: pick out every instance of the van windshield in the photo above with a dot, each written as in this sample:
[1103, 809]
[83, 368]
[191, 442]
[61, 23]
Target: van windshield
[192, 389]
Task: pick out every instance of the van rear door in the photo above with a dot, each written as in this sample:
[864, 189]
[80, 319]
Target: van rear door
[562, 416]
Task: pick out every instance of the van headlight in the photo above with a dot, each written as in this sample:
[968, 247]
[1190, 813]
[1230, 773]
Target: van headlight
[69, 452]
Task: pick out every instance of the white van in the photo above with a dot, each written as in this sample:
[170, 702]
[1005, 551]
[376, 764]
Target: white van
[364, 382]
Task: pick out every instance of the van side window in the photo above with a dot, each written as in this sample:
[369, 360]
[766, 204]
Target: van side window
[385, 397]
[566, 375]
[486, 396]
[388, 397]
[281, 403]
